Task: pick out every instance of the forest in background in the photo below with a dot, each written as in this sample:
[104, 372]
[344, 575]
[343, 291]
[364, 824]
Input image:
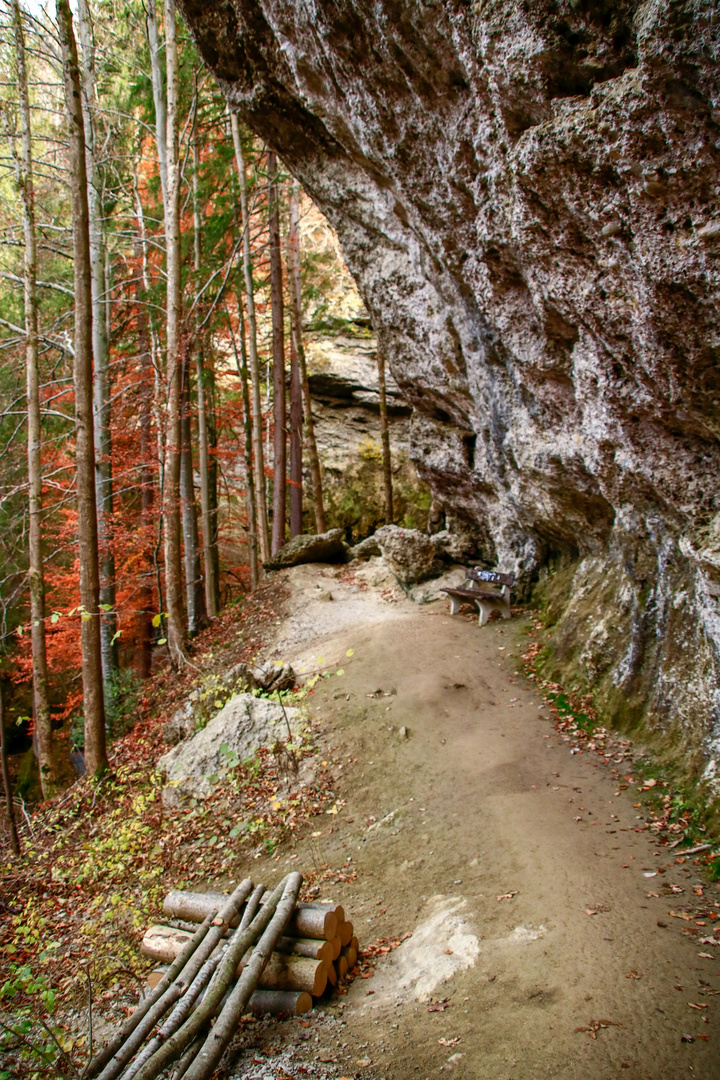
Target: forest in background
[153, 295]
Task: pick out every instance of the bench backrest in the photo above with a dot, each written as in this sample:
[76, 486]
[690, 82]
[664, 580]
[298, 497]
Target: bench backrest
[474, 573]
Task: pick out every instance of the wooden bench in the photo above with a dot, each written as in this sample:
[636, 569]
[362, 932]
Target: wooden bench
[487, 600]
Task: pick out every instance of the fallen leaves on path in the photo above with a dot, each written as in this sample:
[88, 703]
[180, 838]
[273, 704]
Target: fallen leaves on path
[597, 1025]
[439, 1006]
[508, 895]
[449, 1042]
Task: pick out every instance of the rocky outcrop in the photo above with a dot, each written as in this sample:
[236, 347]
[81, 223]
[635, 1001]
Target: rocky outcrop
[326, 547]
[527, 196]
[343, 379]
[411, 555]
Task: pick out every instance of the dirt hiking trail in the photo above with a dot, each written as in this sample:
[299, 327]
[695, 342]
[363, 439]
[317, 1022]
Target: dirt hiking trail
[513, 864]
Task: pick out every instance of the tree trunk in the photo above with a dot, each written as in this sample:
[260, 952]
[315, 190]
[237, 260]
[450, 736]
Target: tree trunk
[158, 93]
[147, 489]
[385, 438]
[36, 578]
[213, 471]
[154, 395]
[296, 308]
[242, 368]
[207, 517]
[296, 408]
[93, 705]
[278, 355]
[176, 632]
[258, 455]
[194, 585]
[9, 805]
[101, 357]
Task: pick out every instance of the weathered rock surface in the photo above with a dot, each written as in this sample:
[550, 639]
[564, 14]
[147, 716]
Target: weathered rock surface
[366, 549]
[527, 196]
[244, 725]
[316, 547]
[410, 554]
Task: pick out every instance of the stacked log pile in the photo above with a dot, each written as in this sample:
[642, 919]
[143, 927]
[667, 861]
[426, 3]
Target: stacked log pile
[252, 951]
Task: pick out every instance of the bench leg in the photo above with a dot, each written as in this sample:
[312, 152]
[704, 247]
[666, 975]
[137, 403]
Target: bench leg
[455, 605]
[506, 613]
[485, 611]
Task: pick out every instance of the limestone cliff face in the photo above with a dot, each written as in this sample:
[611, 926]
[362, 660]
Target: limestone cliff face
[527, 195]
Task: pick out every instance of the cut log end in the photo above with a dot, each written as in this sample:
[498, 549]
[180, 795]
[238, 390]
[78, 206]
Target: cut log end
[313, 922]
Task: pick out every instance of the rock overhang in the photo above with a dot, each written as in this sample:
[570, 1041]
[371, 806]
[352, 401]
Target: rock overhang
[526, 197]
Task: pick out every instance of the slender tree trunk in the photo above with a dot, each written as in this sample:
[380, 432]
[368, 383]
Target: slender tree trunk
[258, 456]
[213, 471]
[194, 585]
[154, 395]
[278, 354]
[209, 537]
[158, 93]
[147, 489]
[36, 579]
[296, 307]
[101, 357]
[385, 438]
[296, 408]
[242, 368]
[9, 805]
[95, 752]
[176, 632]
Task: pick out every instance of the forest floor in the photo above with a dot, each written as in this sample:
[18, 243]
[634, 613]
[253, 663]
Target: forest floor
[510, 878]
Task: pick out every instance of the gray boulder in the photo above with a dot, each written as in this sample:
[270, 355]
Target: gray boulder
[244, 725]
[366, 549]
[326, 547]
[410, 554]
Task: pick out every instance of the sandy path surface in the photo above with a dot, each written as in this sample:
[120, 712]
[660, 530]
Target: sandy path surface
[478, 799]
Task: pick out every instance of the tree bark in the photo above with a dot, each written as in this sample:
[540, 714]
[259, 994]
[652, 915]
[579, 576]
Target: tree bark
[9, 805]
[278, 355]
[208, 513]
[36, 578]
[258, 456]
[385, 439]
[194, 585]
[147, 487]
[101, 357]
[242, 369]
[93, 704]
[274, 1002]
[158, 93]
[296, 407]
[176, 627]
